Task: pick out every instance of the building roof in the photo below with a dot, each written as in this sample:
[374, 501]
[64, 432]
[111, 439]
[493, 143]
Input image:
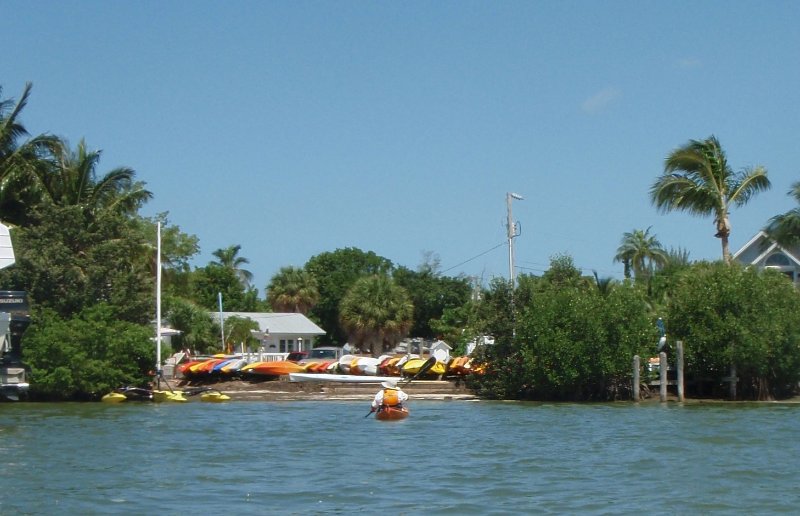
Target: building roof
[760, 247]
[278, 323]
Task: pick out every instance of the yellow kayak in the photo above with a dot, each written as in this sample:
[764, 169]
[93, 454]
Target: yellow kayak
[114, 397]
[413, 366]
[214, 397]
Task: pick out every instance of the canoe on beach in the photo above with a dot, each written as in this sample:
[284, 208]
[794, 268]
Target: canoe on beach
[344, 378]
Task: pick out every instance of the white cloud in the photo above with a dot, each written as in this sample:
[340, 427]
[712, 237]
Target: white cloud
[600, 100]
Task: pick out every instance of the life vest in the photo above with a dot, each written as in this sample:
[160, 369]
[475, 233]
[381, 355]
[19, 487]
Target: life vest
[390, 397]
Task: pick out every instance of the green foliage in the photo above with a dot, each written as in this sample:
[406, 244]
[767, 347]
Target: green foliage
[230, 259]
[237, 332]
[729, 314]
[641, 252]
[431, 295]
[335, 272]
[785, 228]
[376, 313]
[88, 355]
[67, 264]
[292, 289]
[199, 333]
[207, 282]
[572, 342]
[698, 180]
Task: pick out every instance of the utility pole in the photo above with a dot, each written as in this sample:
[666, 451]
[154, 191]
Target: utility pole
[512, 232]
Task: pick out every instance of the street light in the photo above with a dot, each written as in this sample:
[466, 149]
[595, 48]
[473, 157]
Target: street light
[512, 232]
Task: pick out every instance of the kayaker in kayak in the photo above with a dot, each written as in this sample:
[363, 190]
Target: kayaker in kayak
[390, 396]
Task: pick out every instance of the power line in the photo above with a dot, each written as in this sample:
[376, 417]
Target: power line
[474, 257]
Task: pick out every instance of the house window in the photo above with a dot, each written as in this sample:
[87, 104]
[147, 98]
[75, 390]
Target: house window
[781, 263]
[778, 260]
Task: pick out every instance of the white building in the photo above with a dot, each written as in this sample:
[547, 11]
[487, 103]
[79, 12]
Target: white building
[763, 253]
[280, 332]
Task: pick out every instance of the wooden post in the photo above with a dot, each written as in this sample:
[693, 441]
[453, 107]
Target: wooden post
[636, 382]
[662, 368]
[733, 382]
[679, 345]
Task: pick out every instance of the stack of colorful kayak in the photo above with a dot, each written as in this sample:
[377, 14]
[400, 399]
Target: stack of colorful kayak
[220, 368]
[274, 368]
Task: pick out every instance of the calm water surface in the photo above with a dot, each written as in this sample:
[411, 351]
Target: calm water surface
[448, 458]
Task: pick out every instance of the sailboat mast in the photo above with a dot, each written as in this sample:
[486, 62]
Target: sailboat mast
[221, 322]
[158, 303]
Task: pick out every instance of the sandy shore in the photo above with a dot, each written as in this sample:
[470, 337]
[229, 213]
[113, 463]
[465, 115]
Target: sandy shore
[284, 390]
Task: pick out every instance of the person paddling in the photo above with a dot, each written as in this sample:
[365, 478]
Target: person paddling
[390, 396]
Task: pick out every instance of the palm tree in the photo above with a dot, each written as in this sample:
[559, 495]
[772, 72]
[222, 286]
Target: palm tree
[697, 179]
[641, 252]
[20, 160]
[785, 228]
[604, 285]
[74, 182]
[292, 289]
[376, 312]
[229, 259]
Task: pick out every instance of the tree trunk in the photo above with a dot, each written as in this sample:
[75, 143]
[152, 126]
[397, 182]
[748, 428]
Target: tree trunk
[726, 253]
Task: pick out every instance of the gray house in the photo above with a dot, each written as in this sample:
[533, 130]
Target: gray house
[764, 253]
[280, 332]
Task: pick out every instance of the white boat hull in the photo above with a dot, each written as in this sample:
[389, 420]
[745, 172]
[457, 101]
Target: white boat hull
[344, 378]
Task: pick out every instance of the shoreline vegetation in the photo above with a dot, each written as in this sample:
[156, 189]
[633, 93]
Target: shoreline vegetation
[87, 258]
[441, 390]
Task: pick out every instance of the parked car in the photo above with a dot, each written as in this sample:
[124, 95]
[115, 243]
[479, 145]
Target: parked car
[297, 356]
[324, 353]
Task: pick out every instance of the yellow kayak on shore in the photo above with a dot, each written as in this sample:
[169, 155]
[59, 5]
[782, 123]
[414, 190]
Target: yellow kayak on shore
[413, 366]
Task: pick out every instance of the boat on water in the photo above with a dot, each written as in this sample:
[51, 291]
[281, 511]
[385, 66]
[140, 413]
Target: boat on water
[214, 397]
[114, 397]
[343, 378]
[175, 396]
[142, 394]
[391, 413]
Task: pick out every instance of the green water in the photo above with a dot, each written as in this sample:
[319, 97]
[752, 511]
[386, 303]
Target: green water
[451, 457]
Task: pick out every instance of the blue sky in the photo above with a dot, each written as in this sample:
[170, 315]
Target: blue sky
[295, 128]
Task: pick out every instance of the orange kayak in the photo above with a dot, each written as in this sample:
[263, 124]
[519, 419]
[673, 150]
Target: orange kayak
[391, 414]
[276, 368]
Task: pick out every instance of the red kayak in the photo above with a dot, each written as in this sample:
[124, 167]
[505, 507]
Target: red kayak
[391, 414]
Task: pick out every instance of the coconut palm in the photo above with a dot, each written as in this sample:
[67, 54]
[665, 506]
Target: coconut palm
[697, 179]
[604, 285]
[20, 160]
[74, 182]
[785, 228]
[229, 258]
[640, 252]
[376, 313]
[292, 289]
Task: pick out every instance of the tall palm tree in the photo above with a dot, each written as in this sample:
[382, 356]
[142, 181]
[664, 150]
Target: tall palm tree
[229, 258]
[20, 159]
[74, 182]
[376, 313]
[785, 228]
[641, 252]
[292, 289]
[697, 179]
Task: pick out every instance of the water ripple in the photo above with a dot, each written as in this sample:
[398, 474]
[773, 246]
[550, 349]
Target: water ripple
[448, 458]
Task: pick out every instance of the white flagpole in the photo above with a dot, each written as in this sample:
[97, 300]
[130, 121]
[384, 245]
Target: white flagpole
[221, 322]
[158, 303]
